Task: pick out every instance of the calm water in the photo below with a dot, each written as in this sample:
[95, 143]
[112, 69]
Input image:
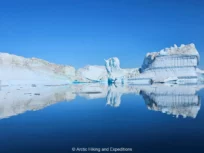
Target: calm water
[50, 119]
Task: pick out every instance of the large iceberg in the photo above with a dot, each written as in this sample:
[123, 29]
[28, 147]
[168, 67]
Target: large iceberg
[171, 65]
[175, 64]
[183, 56]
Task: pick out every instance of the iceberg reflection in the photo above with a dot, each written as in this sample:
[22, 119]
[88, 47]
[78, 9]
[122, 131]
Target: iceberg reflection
[175, 99]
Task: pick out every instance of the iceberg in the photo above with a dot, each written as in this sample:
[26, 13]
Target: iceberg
[117, 74]
[174, 62]
[183, 56]
[176, 65]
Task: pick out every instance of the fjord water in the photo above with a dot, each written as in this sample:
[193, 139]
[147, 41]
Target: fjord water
[56, 119]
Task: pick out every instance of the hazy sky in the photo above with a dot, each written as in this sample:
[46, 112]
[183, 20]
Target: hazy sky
[81, 32]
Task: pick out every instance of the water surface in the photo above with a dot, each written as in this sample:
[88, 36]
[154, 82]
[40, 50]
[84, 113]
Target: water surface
[157, 118]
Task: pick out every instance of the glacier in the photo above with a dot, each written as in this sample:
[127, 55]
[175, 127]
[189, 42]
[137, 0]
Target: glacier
[19, 70]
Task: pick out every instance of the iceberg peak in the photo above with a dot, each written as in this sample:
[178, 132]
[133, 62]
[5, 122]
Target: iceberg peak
[189, 49]
[112, 64]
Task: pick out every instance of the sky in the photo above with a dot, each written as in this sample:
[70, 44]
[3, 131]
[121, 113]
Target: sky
[85, 32]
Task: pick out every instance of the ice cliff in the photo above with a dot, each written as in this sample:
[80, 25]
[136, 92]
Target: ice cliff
[176, 64]
[183, 56]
